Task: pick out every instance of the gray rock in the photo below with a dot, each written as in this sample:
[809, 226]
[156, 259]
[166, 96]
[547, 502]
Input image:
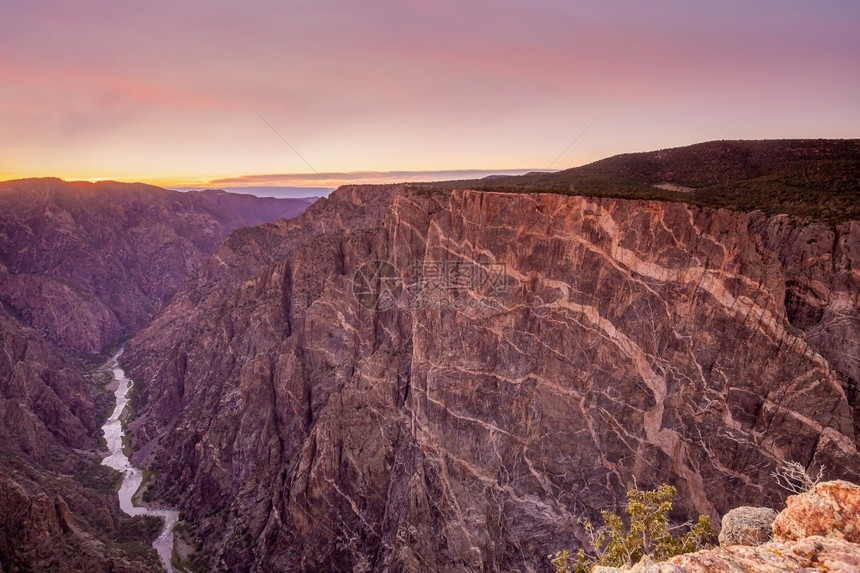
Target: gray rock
[747, 526]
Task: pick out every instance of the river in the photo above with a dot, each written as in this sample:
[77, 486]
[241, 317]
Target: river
[132, 476]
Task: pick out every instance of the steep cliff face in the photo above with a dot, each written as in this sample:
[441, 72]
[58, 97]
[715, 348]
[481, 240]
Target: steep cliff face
[82, 265]
[821, 265]
[517, 361]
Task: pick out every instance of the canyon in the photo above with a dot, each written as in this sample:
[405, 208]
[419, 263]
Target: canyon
[595, 344]
[442, 376]
[82, 266]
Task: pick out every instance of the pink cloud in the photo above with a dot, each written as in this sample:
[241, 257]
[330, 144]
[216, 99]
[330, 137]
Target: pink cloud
[384, 84]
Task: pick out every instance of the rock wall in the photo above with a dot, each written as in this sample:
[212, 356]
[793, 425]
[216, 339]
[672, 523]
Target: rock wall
[522, 362]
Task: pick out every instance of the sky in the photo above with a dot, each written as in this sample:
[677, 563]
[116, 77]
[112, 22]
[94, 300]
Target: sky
[322, 92]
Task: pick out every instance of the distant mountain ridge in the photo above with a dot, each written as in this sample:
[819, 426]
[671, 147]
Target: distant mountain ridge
[819, 178]
[110, 251]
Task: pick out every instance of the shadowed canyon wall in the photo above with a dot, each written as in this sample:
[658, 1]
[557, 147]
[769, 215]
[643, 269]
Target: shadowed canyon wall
[82, 265]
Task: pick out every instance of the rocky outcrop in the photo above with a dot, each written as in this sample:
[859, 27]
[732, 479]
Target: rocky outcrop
[810, 555]
[817, 532]
[38, 533]
[518, 361]
[73, 318]
[830, 509]
[48, 405]
[747, 526]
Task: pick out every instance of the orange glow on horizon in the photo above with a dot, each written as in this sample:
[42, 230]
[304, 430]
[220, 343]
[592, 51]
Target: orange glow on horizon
[300, 180]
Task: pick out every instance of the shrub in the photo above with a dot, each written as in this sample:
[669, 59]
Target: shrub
[793, 477]
[648, 532]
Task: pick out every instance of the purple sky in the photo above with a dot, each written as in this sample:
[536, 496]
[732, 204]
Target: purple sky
[169, 92]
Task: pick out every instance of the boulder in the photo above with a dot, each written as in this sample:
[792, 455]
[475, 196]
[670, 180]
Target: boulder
[830, 509]
[747, 526]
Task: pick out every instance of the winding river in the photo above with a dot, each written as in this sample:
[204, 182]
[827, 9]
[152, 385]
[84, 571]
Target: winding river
[132, 476]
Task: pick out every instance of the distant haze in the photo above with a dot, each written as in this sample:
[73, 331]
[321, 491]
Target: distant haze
[279, 192]
[283, 184]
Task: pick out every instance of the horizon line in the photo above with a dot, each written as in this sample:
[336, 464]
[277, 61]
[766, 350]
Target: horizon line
[298, 179]
[363, 176]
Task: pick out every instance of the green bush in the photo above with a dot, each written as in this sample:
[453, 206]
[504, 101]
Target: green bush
[619, 544]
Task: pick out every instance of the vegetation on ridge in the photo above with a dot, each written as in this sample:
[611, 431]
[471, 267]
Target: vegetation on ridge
[646, 533]
[806, 177]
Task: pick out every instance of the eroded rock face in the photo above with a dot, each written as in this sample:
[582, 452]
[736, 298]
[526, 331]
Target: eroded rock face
[830, 509]
[47, 404]
[747, 526]
[38, 533]
[822, 291]
[544, 354]
[73, 318]
[82, 265]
